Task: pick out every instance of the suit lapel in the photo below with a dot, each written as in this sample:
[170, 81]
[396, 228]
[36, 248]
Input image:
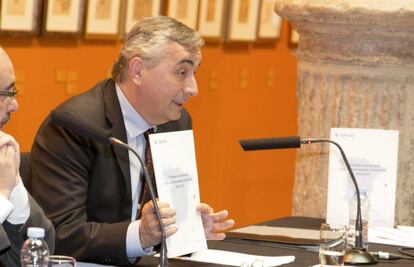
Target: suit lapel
[4, 239]
[114, 114]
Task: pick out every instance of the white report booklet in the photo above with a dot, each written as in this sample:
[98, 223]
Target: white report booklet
[373, 156]
[175, 168]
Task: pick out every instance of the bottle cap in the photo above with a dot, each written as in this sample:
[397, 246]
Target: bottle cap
[35, 232]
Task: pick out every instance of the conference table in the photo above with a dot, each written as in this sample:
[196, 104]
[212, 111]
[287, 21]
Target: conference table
[303, 257]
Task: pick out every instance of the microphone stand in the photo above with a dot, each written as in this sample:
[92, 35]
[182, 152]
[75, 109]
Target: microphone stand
[163, 251]
[358, 254]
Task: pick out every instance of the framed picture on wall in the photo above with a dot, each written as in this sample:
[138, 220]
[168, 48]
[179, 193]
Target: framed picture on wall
[20, 16]
[211, 18]
[136, 10]
[102, 19]
[242, 25]
[269, 22]
[185, 11]
[63, 17]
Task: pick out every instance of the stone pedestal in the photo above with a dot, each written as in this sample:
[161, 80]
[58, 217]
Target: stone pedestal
[355, 69]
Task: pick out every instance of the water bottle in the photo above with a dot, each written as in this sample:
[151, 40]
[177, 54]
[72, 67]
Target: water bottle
[35, 252]
[352, 217]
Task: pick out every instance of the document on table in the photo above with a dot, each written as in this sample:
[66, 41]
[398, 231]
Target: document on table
[284, 235]
[237, 259]
[175, 169]
[399, 236]
[373, 155]
[279, 231]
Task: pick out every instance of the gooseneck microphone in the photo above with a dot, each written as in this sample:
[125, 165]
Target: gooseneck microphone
[270, 143]
[358, 254]
[72, 122]
[163, 251]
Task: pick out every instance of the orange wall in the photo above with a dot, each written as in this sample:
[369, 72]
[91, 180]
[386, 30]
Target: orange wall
[253, 186]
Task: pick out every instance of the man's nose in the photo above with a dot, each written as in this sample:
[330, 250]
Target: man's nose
[13, 105]
[191, 88]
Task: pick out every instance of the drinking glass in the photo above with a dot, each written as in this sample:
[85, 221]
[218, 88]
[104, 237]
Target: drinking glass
[61, 261]
[333, 245]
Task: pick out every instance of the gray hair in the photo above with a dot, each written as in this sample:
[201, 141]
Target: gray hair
[149, 37]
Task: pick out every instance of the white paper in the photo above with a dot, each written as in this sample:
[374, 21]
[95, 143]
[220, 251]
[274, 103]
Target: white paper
[236, 259]
[175, 169]
[373, 156]
[400, 236]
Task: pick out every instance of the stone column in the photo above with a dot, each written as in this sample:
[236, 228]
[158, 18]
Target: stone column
[355, 69]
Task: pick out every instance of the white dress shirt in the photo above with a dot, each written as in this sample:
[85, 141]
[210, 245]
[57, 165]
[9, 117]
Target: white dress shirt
[135, 127]
[16, 209]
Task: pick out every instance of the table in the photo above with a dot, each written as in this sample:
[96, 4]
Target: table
[303, 257]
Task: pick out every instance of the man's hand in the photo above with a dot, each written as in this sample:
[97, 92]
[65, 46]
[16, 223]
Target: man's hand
[214, 223]
[9, 151]
[6, 139]
[150, 230]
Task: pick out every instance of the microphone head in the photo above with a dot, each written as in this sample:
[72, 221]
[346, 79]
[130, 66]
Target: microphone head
[74, 123]
[270, 143]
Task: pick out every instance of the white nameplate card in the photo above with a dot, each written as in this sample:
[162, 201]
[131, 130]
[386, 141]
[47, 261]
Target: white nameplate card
[373, 156]
[175, 169]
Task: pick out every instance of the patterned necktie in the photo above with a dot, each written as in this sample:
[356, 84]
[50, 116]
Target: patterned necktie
[145, 193]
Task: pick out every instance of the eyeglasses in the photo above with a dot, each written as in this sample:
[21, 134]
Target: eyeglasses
[12, 93]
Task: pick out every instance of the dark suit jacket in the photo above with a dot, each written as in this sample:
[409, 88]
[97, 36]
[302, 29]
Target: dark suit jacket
[84, 186]
[12, 236]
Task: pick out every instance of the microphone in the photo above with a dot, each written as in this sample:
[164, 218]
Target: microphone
[72, 122]
[358, 254]
[163, 251]
[270, 143]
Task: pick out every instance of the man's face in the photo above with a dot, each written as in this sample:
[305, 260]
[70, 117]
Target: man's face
[167, 86]
[8, 104]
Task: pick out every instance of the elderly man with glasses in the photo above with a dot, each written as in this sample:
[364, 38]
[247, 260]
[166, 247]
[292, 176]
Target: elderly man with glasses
[17, 209]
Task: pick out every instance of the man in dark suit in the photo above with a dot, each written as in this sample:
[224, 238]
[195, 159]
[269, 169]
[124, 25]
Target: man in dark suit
[17, 209]
[94, 193]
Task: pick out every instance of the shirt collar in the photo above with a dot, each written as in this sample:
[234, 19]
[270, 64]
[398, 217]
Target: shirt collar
[134, 122]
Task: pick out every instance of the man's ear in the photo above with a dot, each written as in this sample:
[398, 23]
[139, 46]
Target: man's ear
[135, 68]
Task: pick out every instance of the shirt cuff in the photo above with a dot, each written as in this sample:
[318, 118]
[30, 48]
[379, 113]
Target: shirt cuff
[6, 208]
[133, 242]
[20, 201]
